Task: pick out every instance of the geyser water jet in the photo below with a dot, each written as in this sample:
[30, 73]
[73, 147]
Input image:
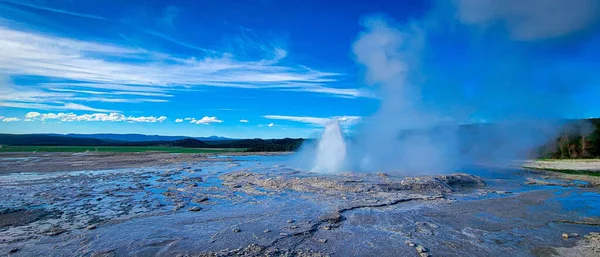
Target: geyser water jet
[331, 150]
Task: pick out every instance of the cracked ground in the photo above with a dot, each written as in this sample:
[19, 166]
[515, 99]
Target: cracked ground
[258, 206]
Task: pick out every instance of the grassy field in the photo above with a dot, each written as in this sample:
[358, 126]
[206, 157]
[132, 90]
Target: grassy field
[117, 149]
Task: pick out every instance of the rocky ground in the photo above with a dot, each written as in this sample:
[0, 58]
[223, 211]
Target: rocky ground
[258, 206]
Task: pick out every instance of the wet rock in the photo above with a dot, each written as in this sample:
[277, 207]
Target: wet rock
[425, 183]
[284, 234]
[290, 221]
[567, 235]
[421, 249]
[90, 227]
[337, 185]
[589, 246]
[233, 165]
[424, 254]
[104, 254]
[266, 231]
[55, 231]
[195, 208]
[13, 250]
[459, 180]
[169, 194]
[382, 175]
[322, 240]
[332, 217]
[426, 228]
[200, 200]
[409, 243]
[178, 207]
[593, 236]
[236, 230]
[256, 250]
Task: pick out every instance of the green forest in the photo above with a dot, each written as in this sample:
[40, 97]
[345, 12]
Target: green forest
[577, 140]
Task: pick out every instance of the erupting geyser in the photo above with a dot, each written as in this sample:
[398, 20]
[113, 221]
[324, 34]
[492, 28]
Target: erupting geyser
[331, 151]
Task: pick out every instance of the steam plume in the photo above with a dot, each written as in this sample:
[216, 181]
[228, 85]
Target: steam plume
[508, 62]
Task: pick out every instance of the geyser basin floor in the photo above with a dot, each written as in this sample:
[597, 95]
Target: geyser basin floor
[254, 205]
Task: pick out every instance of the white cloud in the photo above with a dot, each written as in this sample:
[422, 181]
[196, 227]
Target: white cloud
[244, 121]
[13, 119]
[344, 120]
[205, 120]
[95, 65]
[151, 119]
[110, 117]
[179, 120]
[271, 124]
[32, 115]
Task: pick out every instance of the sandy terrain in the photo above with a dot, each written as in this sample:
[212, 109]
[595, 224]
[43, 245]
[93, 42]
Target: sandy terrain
[592, 165]
[552, 168]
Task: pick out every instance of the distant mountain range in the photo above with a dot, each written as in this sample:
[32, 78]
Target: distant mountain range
[140, 137]
[251, 145]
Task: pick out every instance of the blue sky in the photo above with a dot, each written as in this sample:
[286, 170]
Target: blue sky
[268, 68]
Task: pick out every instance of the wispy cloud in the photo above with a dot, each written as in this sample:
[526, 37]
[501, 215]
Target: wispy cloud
[59, 106]
[176, 41]
[205, 120]
[13, 119]
[120, 68]
[54, 10]
[178, 120]
[244, 121]
[271, 124]
[112, 117]
[344, 120]
[26, 97]
[91, 92]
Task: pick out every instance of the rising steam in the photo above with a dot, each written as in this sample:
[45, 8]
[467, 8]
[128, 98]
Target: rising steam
[506, 61]
[331, 150]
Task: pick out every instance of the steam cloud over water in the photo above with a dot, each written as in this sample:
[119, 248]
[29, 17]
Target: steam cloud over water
[515, 63]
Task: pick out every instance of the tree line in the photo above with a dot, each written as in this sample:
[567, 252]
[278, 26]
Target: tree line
[577, 140]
